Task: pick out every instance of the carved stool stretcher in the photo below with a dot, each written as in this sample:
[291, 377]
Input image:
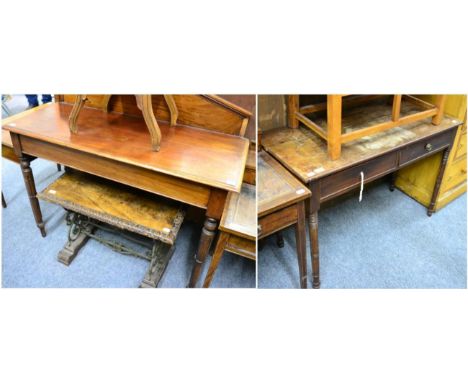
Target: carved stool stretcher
[96, 204]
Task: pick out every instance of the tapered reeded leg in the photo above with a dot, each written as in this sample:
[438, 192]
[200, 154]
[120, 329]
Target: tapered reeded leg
[4, 205]
[314, 246]
[435, 193]
[279, 239]
[208, 233]
[217, 255]
[31, 189]
[301, 244]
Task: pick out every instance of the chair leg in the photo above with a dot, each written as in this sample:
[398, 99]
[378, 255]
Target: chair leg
[217, 255]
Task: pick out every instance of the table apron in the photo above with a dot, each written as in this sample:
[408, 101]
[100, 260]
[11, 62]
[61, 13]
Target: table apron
[161, 184]
[343, 181]
[276, 221]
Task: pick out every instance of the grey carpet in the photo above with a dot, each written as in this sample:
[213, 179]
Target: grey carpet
[30, 260]
[387, 241]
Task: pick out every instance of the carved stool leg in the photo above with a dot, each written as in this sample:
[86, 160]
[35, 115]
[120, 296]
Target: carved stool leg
[77, 237]
[435, 192]
[208, 233]
[217, 255]
[161, 254]
[4, 205]
[279, 239]
[31, 189]
[301, 244]
[313, 232]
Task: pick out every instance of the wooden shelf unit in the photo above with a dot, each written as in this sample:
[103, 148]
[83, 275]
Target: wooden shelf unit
[332, 130]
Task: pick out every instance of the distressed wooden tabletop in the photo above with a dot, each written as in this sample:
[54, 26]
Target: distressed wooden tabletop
[277, 188]
[305, 154]
[116, 204]
[239, 216]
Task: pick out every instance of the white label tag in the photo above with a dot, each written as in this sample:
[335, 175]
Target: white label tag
[320, 169]
[53, 192]
[166, 230]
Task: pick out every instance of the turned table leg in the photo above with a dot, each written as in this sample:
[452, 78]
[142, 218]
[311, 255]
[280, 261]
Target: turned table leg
[440, 175]
[314, 246]
[31, 189]
[217, 255]
[279, 239]
[208, 233]
[301, 244]
[392, 181]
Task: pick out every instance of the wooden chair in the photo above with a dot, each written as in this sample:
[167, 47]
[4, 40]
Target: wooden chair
[144, 103]
[331, 131]
[237, 230]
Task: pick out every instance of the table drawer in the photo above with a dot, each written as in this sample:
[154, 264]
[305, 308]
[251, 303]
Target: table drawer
[276, 221]
[425, 147]
[342, 181]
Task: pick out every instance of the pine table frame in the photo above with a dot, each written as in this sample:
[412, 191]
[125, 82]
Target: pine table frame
[334, 105]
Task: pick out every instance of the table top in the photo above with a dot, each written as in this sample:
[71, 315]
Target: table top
[277, 188]
[305, 154]
[6, 139]
[207, 157]
[239, 216]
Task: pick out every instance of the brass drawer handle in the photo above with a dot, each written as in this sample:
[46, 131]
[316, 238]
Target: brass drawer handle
[428, 147]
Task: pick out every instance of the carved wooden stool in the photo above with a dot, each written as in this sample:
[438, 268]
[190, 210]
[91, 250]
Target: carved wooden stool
[281, 204]
[237, 229]
[95, 204]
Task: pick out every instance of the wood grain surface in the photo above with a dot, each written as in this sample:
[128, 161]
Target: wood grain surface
[305, 154]
[239, 216]
[118, 205]
[277, 188]
[202, 156]
[204, 111]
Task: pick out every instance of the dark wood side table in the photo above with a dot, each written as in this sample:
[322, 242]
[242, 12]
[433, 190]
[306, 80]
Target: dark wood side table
[194, 166]
[280, 203]
[362, 161]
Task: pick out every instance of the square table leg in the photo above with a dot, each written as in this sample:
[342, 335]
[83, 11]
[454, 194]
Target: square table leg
[314, 206]
[301, 244]
[217, 255]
